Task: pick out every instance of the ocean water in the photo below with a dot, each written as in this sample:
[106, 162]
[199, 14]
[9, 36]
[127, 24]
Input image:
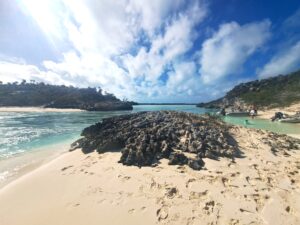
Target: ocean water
[277, 127]
[21, 132]
[25, 131]
[27, 137]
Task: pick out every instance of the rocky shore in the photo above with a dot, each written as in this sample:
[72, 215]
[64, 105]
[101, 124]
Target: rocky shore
[145, 138]
[255, 179]
[98, 106]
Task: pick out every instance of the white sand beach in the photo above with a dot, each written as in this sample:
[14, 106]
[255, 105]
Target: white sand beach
[269, 113]
[79, 189]
[36, 109]
[290, 110]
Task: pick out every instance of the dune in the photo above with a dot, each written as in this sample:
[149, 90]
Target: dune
[261, 187]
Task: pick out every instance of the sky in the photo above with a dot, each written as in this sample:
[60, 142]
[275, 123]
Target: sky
[151, 50]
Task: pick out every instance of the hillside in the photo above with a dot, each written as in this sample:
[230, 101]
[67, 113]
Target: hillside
[279, 91]
[54, 96]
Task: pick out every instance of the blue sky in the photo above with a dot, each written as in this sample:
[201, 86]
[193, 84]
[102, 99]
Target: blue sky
[149, 51]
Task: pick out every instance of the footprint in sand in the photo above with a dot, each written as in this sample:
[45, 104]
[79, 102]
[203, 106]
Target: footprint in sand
[235, 174]
[171, 192]
[231, 165]
[108, 169]
[65, 168]
[209, 207]
[187, 184]
[245, 210]
[143, 208]
[162, 213]
[289, 209]
[190, 221]
[101, 201]
[130, 211]
[198, 195]
[212, 179]
[270, 163]
[234, 222]
[124, 178]
[155, 185]
[225, 181]
[254, 166]
[260, 201]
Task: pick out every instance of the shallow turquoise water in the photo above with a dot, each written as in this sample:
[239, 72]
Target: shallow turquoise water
[283, 128]
[22, 132]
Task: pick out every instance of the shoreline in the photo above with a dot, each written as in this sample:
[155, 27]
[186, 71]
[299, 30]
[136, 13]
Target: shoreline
[268, 113]
[36, 109]
[47, 153]
[15, 167]
[93, 188]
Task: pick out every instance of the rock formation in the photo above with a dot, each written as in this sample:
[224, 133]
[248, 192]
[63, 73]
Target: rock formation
[146, 137]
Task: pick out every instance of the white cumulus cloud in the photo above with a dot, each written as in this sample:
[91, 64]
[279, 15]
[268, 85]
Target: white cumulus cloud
[226, 51]
[284, 62]
[100, 44]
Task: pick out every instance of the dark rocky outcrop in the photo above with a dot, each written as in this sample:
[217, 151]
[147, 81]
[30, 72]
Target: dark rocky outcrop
[146, 137]
[278, 91]
[91, 106]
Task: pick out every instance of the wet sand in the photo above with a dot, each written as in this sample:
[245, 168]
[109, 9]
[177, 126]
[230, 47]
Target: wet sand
[14, 167]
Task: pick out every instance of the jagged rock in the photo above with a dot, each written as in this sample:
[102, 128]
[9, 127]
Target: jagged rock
[196, 164]
[177, 159]
[146, 137]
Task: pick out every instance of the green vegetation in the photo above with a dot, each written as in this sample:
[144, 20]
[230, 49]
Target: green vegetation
[275, 92]
[279, 91]
[54, 96]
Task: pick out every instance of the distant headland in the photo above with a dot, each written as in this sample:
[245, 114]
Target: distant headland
[278, 91]
[59, 96]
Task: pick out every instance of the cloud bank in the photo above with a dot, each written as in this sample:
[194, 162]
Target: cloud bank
[283, 62]
[148, 51]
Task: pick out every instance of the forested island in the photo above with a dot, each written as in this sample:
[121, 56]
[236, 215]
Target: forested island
[33, 94]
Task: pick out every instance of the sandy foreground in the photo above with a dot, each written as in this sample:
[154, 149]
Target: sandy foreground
[79, 189]
[36, 109]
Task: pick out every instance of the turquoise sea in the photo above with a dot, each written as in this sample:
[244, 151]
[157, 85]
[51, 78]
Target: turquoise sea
[28, 139]
[25, 131]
